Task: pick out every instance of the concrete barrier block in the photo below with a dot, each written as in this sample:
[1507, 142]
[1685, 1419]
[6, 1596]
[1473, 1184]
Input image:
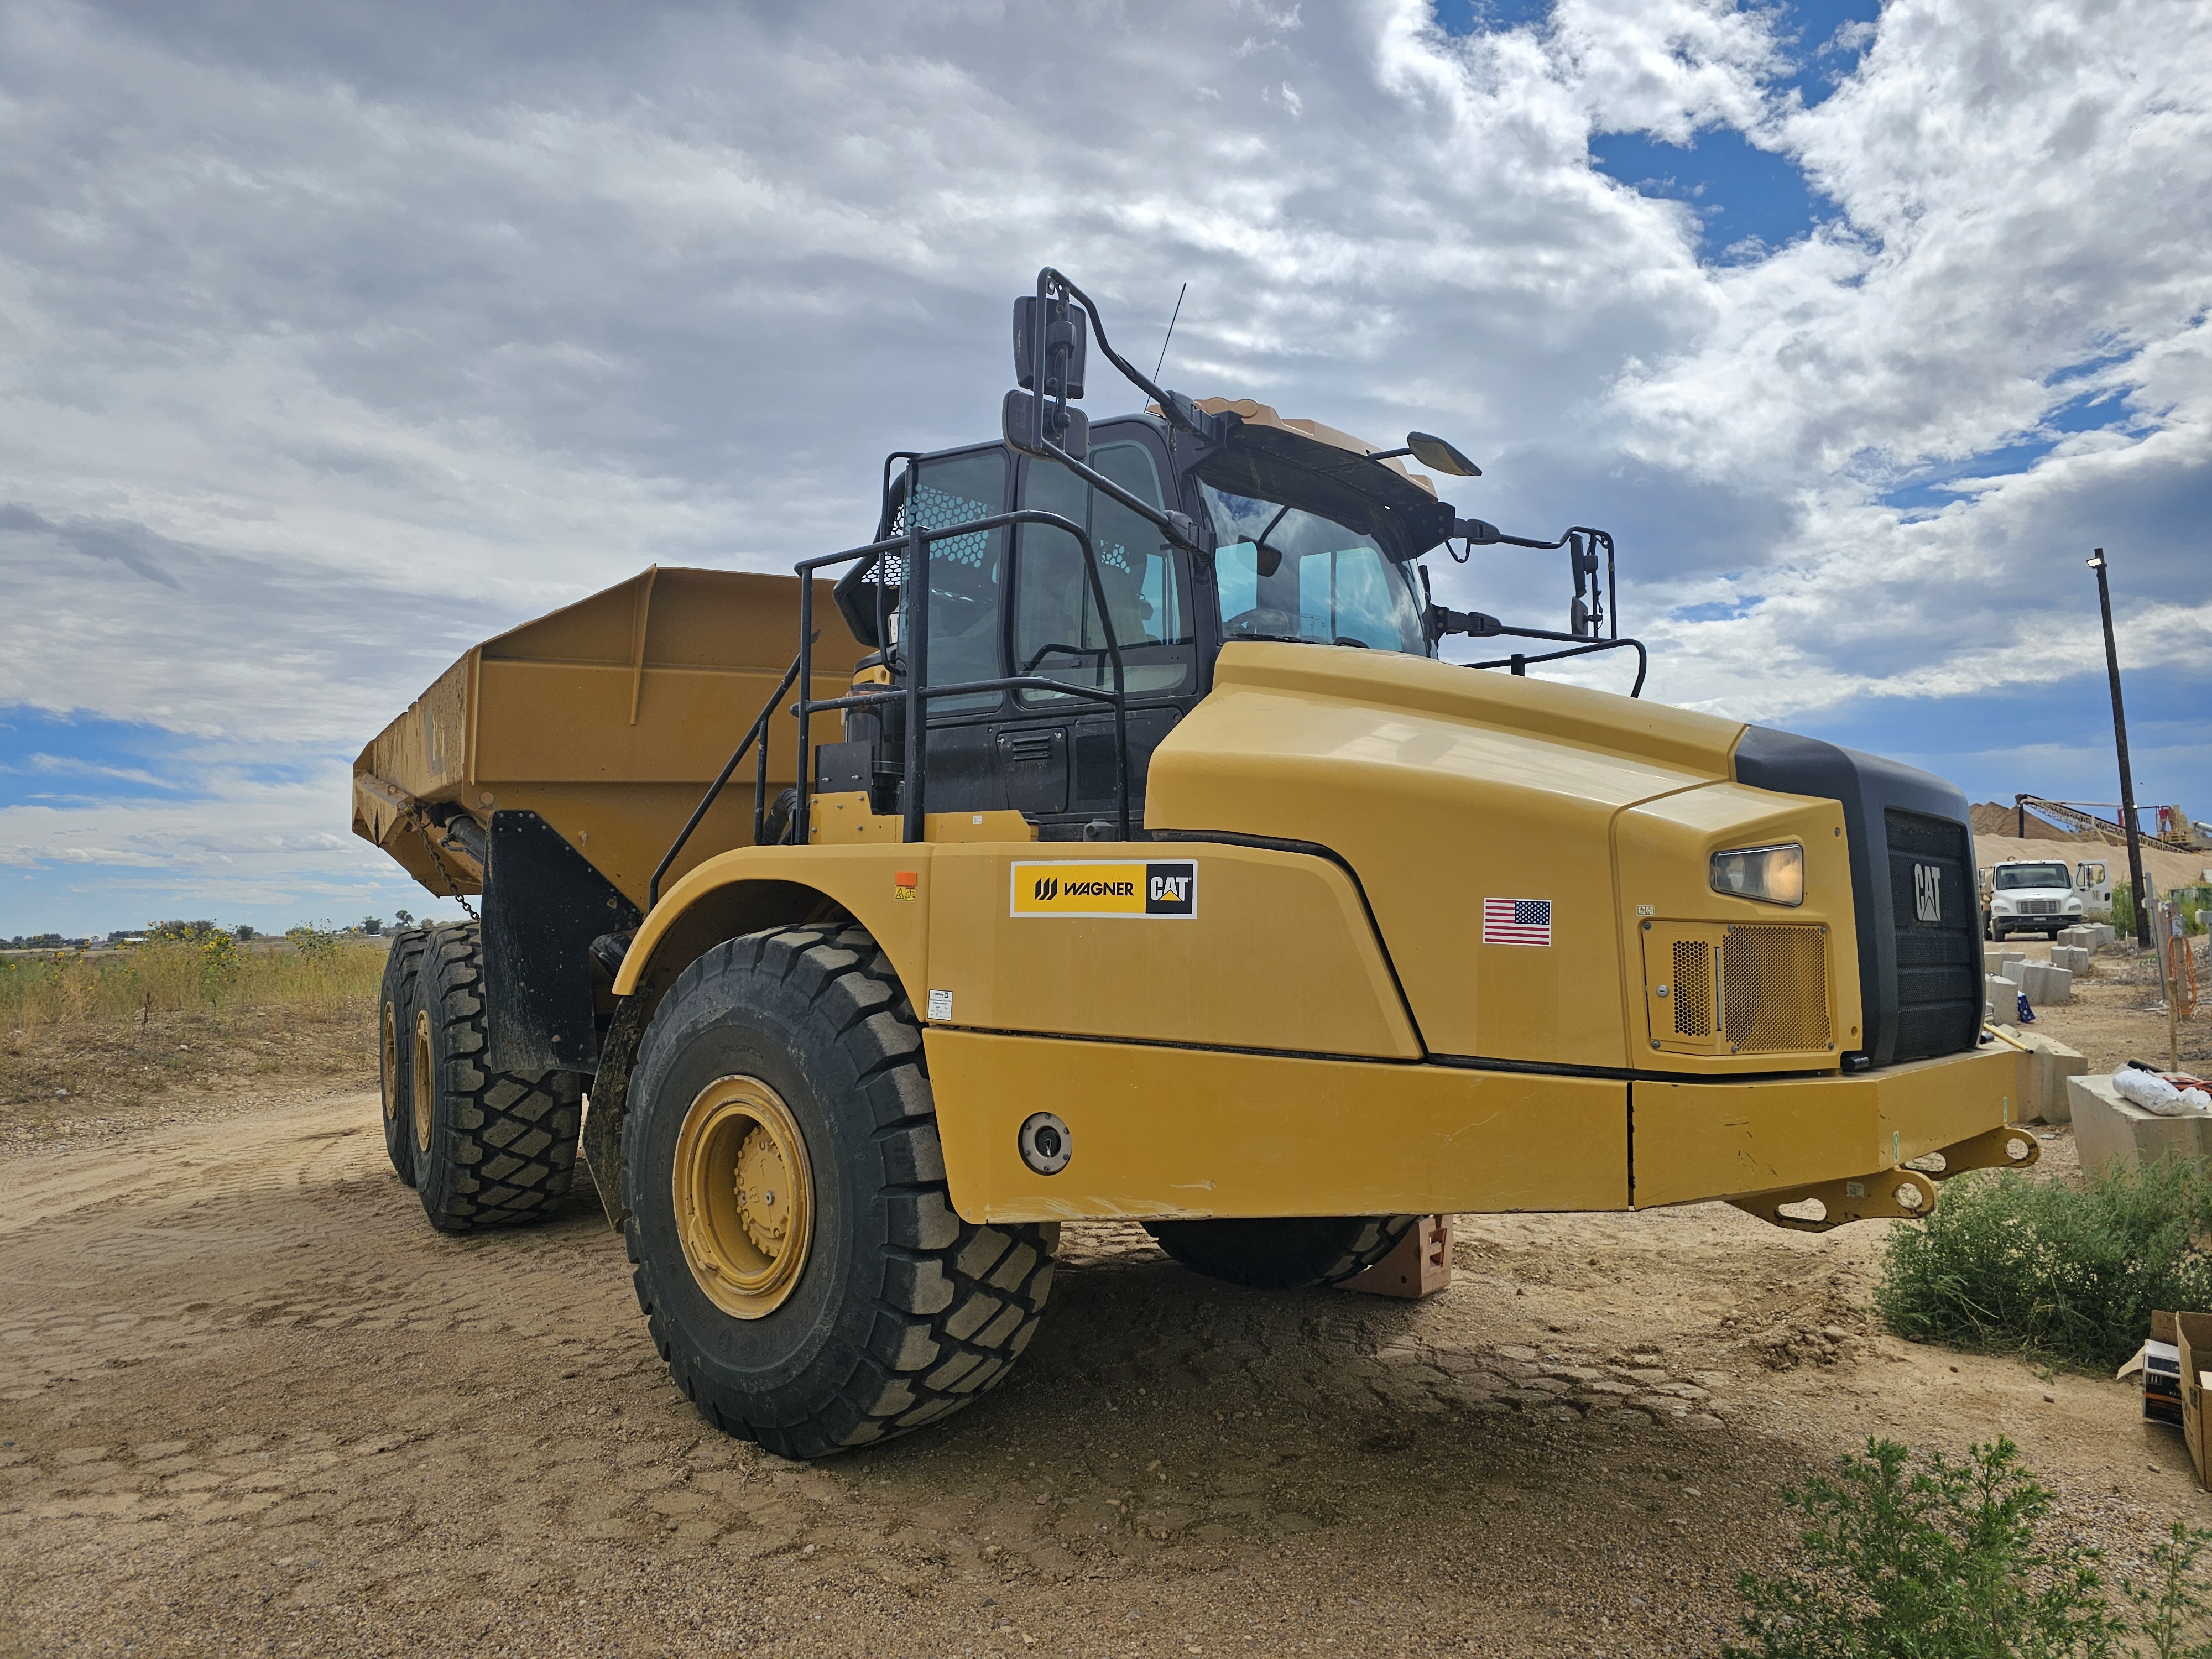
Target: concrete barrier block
[2045, 1071]
[2080, 937]
[2009, 963]
[2003, 998]
[2109, 1131]
[2047, 986]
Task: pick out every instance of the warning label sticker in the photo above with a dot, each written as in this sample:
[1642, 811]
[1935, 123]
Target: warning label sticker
[1056, 889]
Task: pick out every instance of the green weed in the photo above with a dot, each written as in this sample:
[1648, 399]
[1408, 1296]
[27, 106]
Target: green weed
[2070, 1272]
[1933, 1560]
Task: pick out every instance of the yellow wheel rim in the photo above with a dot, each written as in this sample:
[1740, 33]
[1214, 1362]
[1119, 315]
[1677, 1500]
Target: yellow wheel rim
[745, 1196]
[390, 1062]
[421, 1084]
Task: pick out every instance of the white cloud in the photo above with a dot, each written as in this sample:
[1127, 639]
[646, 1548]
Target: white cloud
[333, 339]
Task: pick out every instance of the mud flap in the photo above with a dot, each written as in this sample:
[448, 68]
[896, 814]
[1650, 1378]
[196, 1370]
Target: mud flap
[543, 904]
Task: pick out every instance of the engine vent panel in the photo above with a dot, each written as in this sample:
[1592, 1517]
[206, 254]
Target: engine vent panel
[1750, 989]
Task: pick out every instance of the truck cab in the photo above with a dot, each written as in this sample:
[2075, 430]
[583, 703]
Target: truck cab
[2035, 896]
[1296, 537]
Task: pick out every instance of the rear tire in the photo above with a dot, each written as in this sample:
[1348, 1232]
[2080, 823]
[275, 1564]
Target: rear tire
[868, 1307]
[396, 1049]
[491, 1148]
[1282, 1254]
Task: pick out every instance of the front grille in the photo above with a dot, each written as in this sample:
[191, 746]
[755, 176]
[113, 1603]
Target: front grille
[1932, 910]
[2037, 906]
[1694, 988]
[1774, 989]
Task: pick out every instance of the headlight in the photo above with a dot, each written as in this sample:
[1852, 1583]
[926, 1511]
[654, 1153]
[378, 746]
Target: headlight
[1774, 874]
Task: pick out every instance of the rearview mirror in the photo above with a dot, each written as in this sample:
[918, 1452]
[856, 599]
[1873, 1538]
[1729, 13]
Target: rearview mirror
[1065, 332]
[1068, 429]
[1435, 453]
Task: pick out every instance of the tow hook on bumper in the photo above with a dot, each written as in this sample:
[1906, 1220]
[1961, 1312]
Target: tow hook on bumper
[1902, 1192]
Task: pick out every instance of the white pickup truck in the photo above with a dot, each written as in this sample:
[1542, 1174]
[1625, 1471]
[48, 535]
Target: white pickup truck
[2039, 897]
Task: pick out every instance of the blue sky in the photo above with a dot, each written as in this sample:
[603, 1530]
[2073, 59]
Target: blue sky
[327, 351]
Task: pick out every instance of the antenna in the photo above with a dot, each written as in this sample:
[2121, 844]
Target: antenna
[1180, 292]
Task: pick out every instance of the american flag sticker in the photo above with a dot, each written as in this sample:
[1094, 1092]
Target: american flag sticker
[1516, 921]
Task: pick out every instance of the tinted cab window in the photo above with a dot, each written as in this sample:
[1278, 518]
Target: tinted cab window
[1057, 628]
[966, 578]
[1286, 574]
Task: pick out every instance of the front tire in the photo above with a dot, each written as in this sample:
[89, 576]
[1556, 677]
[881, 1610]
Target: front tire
[1282, 1254]
[797, 1255]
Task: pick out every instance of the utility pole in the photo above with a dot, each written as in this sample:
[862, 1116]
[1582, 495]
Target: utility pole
[2120, 733]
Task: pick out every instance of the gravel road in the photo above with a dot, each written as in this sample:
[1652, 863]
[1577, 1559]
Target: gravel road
[250, 1404]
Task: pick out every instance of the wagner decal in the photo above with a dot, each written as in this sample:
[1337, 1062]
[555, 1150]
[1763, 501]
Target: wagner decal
[1117, 889]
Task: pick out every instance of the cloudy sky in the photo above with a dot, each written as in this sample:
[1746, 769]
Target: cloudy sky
[334, 337]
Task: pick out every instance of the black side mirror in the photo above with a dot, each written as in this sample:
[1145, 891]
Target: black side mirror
[1065, 335]
[1028, 422]
[1438, 456]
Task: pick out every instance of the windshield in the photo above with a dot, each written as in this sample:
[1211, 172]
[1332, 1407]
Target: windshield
[2013, 876]
[1285, 574]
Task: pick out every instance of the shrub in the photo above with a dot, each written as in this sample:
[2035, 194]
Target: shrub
[1926, 1562]
[2072, 1273]
[2124, 909]
[317, 943]
[2172, 1603]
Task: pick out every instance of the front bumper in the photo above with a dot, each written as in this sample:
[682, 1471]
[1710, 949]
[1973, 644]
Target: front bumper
[1193, 1134]
[1784, 1142]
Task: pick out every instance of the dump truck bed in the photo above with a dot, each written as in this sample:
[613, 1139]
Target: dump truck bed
[608, 719]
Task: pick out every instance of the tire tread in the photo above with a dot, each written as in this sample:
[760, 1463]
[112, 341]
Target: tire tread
[911, 1367]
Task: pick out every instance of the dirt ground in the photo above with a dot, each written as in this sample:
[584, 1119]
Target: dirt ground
[250, 1403]
[2118, 1014]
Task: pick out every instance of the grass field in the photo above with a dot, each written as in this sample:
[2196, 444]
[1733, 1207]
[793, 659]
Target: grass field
[97, 1042]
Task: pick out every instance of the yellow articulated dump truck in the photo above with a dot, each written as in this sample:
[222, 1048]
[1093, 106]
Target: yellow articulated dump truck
[1146, 859]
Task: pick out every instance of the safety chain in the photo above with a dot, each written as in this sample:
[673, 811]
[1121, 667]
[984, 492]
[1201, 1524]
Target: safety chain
[453, 887]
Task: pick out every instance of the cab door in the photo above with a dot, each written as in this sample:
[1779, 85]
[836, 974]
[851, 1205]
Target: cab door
[2092, 880]
[1055, 753]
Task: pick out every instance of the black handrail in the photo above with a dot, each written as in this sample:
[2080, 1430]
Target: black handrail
[1579, 647]
[913, 645]
[758, 729]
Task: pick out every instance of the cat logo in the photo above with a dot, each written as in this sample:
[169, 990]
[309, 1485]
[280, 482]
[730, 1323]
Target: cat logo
[1101, 890]
[1928, 892]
